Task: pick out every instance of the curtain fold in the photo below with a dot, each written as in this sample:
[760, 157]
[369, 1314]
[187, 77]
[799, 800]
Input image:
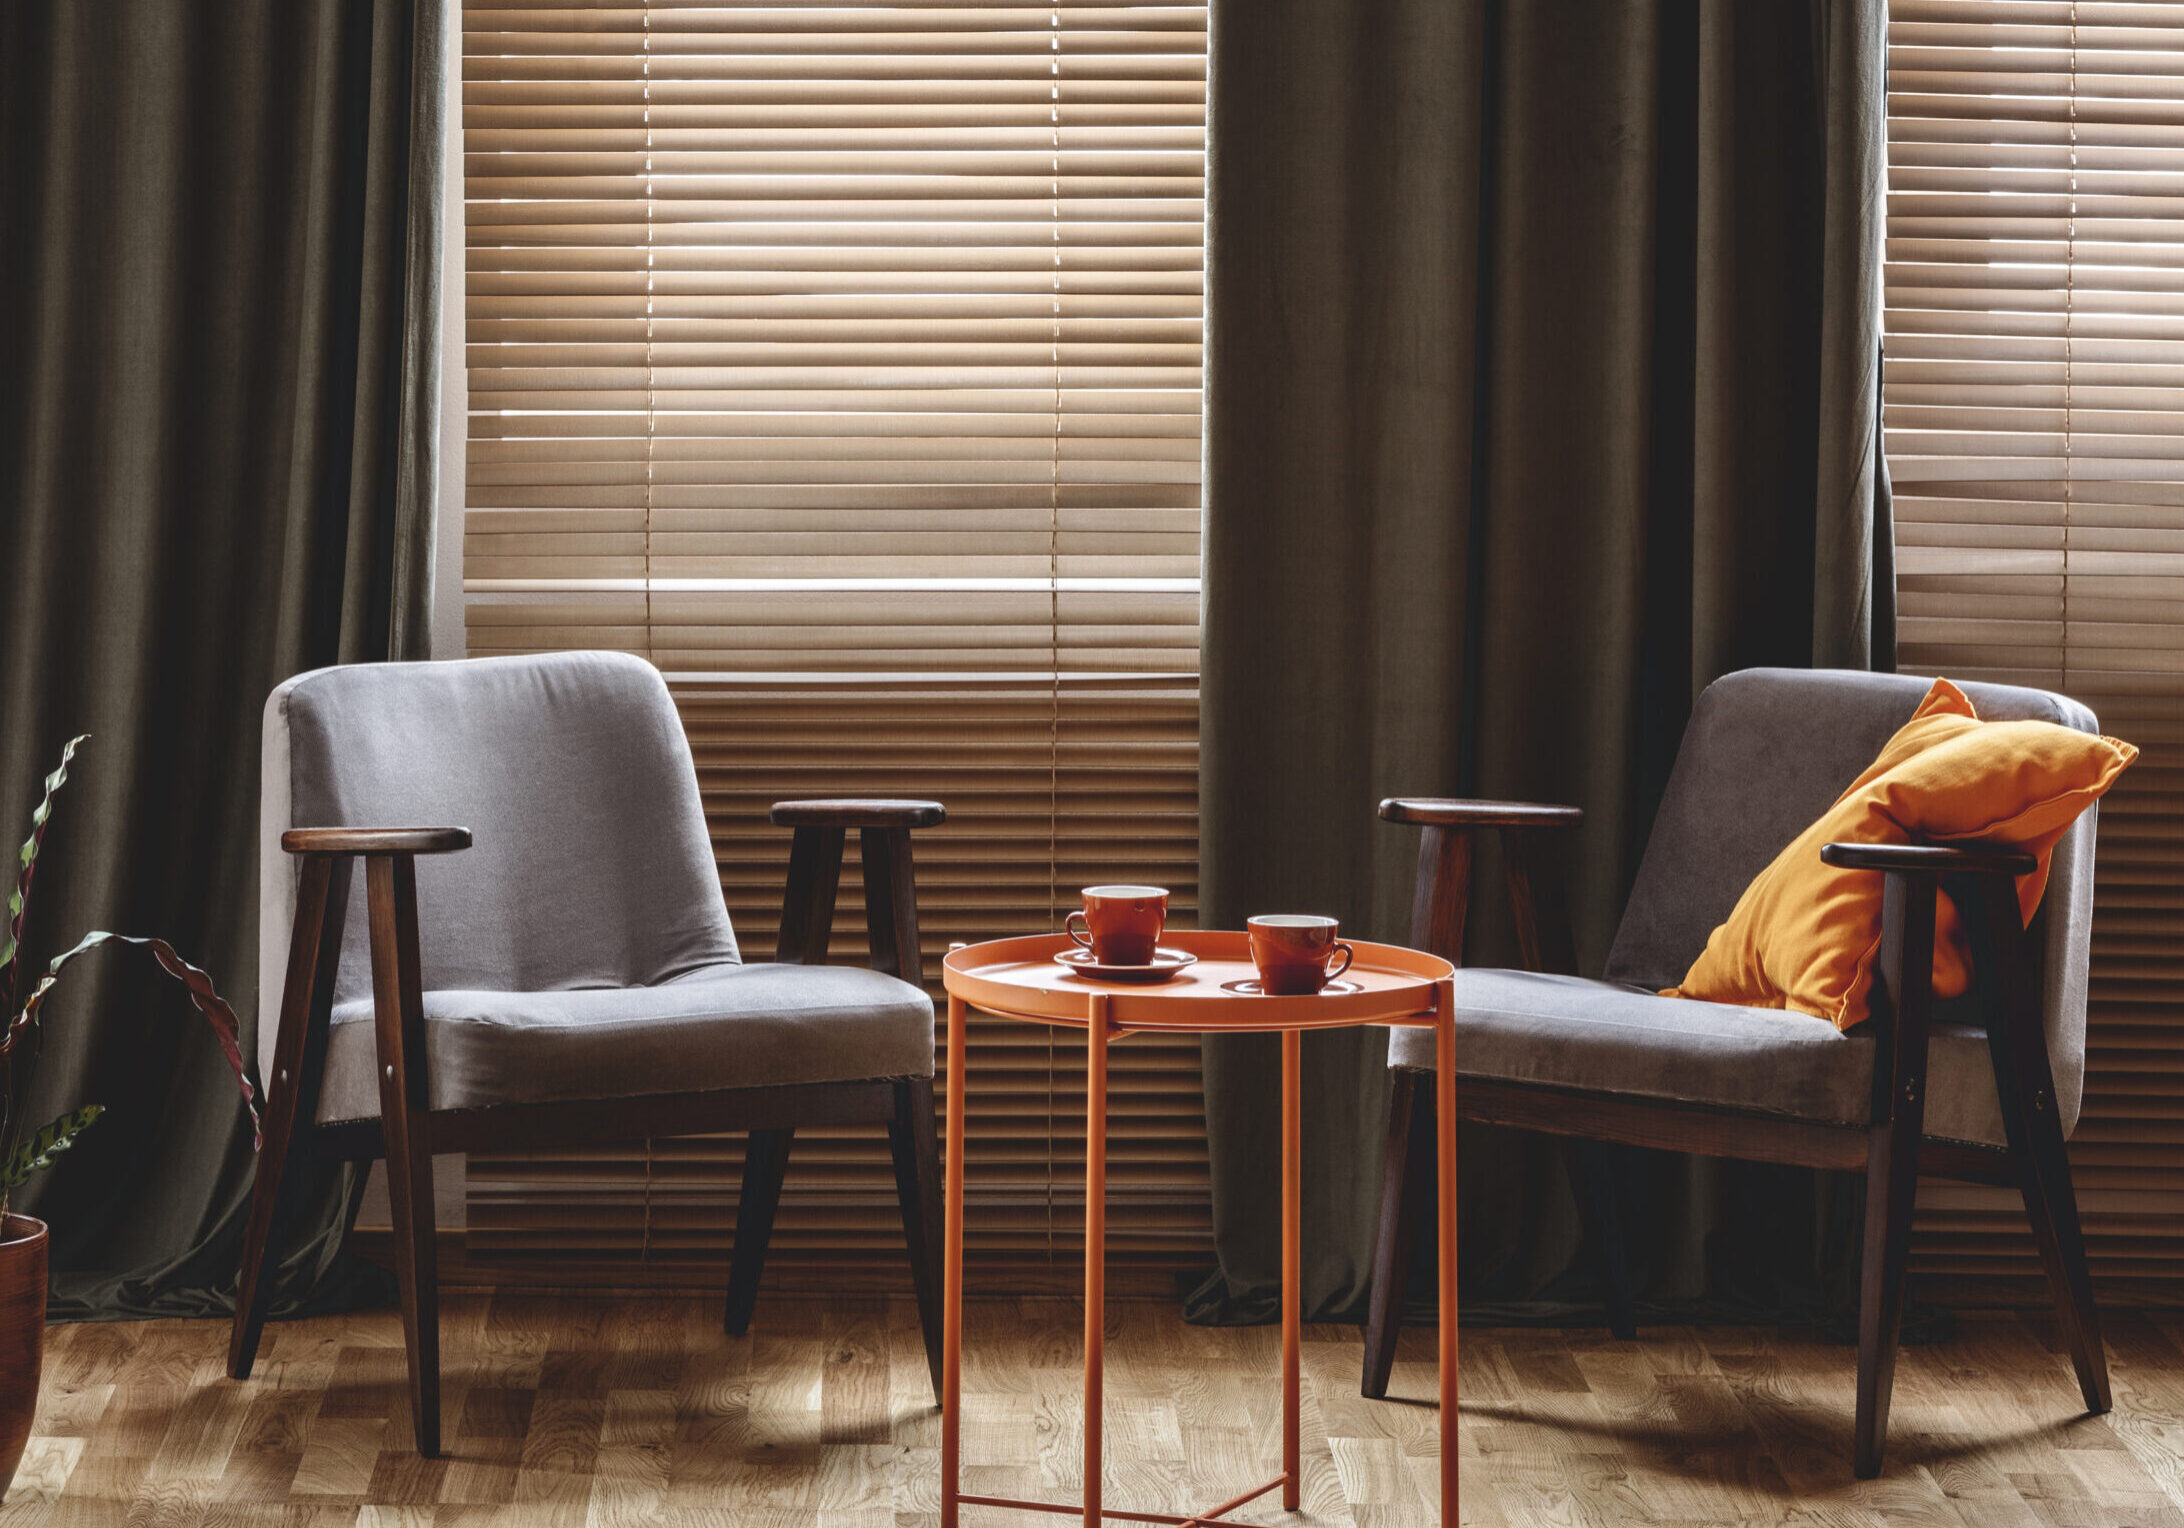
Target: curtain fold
[1542, 389]
[219, 394]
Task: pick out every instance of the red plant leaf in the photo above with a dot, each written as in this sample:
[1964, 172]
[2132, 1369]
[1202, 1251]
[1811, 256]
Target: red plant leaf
[202, 997]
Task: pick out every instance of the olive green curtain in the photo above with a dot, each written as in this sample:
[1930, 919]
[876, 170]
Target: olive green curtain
[219, 324]
[1543, 347]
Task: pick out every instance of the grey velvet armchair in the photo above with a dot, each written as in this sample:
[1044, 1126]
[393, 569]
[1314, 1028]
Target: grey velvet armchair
[542, 954]
[1987, 1091]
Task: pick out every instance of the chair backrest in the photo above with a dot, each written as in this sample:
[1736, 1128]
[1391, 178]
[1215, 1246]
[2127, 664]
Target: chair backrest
[592, 866]
[1766, 752]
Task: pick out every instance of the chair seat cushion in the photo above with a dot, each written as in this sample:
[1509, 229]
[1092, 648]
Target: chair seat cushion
[721, 1026]
[1598, 1037]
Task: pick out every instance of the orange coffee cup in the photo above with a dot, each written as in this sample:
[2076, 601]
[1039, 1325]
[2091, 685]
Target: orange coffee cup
[1292, 951]
[1122, 924]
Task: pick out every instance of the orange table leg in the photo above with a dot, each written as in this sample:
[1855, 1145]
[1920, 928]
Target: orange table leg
[1292, 1269]
[951, 1340]
[1095, 1256]
[1444, 1057]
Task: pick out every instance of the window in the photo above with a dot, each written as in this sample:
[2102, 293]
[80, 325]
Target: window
[844, 361]
[2034, 395]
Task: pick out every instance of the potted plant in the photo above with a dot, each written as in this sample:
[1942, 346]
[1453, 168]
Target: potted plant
[24, 1152]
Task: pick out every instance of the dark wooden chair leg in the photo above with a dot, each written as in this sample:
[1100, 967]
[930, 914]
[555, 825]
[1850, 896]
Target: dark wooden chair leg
[765, 1163]
[279, 1167]
[1594, 1181]
[291, 1095]
[417, 1268]
[405, 1117]
[1542, 923]
[917, 1185]
[2024, 1082]
[1406, 1199]
[807, 901]
[891, 903]
[2052, 1204]
[1441, 896]
[1441, 899]
[807, 922]
[1890, 1192]
[1891, 1187]
[1892, 1153]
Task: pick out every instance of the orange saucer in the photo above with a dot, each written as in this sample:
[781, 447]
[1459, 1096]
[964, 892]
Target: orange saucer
[1164, 964]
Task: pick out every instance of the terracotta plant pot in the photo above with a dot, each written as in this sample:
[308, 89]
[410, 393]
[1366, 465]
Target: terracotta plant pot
[22, 1334]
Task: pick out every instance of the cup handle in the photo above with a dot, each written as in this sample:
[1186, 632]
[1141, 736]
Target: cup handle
[1069, 926]
[1347, 954]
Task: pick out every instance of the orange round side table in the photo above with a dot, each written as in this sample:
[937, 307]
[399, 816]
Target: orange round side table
[1020, 979]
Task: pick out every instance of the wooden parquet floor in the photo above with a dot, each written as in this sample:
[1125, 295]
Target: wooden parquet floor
[592, 1411]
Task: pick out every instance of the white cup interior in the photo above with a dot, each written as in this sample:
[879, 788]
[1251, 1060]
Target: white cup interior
[1126, 891]
[1293, 920]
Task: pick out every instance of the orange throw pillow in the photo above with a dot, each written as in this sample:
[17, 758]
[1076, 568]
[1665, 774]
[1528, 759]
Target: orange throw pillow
[1805, 934]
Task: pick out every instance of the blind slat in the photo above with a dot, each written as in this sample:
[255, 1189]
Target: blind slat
[844, 361]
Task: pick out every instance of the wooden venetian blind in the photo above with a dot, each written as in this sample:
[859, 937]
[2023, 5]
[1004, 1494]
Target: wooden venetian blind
[844, 361]
[2034, 393]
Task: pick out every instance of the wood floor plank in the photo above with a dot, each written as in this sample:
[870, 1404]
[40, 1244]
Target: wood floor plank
[594, 1411]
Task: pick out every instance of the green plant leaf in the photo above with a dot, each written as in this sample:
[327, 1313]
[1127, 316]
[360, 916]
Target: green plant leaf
[202, 997]
[36, 1154]
[27, 863]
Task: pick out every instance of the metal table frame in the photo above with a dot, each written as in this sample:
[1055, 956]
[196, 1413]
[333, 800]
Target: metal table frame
[1110, 1013]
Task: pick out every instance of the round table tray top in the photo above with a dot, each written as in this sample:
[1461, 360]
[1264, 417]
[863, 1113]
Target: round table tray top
[1020, 978]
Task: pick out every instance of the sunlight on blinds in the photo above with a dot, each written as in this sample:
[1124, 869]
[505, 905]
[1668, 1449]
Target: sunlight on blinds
[2034, 395]
[840, 339]
[844, 361]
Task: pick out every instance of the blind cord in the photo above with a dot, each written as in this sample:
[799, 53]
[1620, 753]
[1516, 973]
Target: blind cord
[651, 396]
[651, 434]
[1054, 582]
[2070, 298]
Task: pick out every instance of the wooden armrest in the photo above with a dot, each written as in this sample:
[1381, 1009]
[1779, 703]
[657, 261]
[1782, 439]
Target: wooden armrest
[1447, 812]
[1929, 859]
[375, 840]
[858, 812]
[890, 884]
[1443, 896]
